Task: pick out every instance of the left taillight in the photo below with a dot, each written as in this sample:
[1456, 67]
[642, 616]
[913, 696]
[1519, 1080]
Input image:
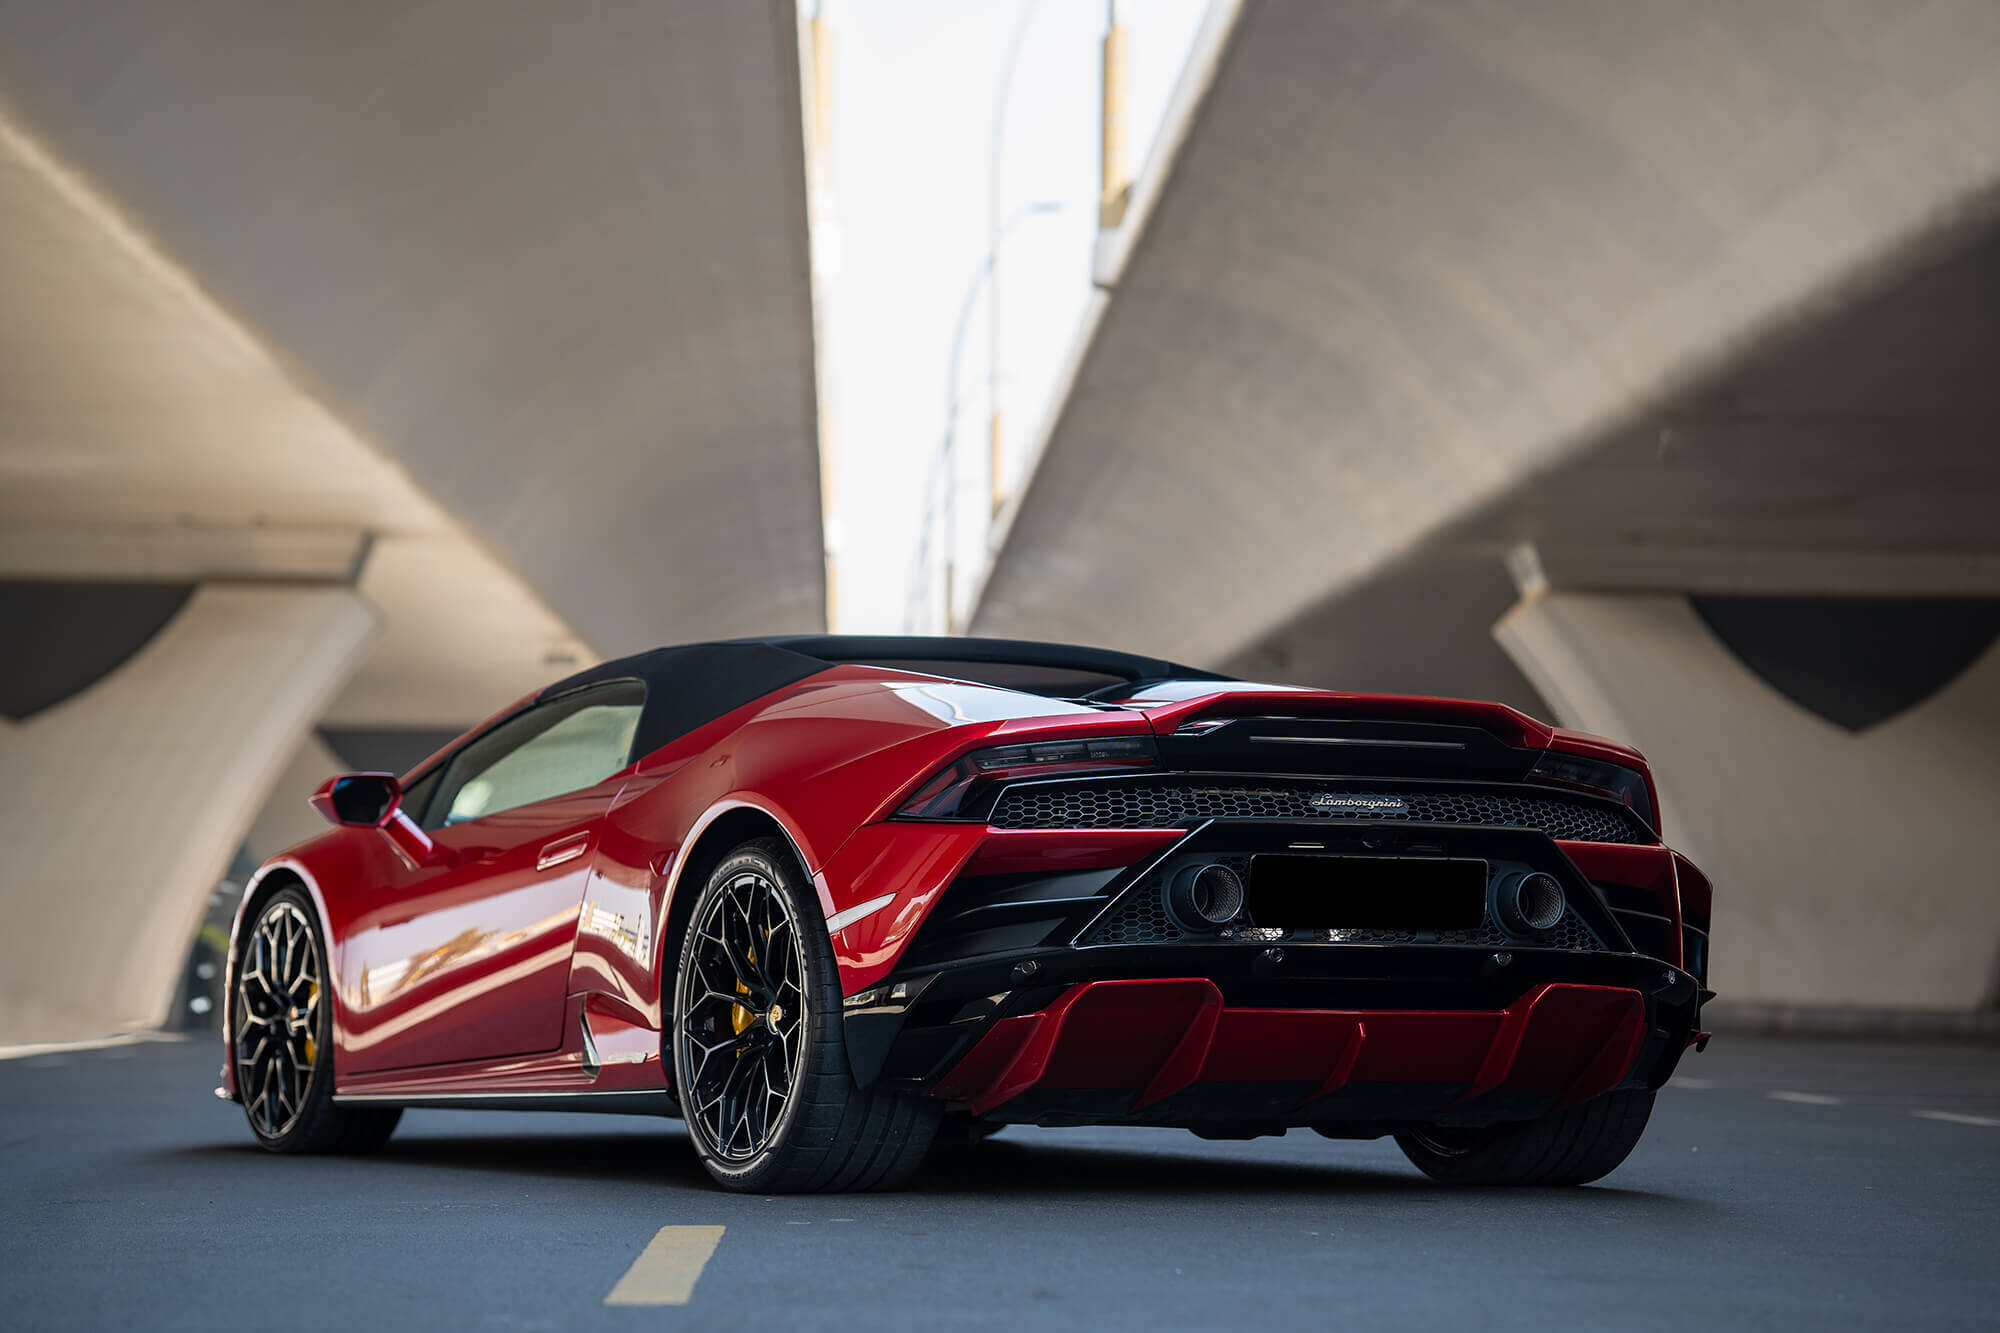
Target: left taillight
[944, 795]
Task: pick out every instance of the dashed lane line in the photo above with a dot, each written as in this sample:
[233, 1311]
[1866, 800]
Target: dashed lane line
[667, 1269]
[1807, 1098]
[1960, 1118]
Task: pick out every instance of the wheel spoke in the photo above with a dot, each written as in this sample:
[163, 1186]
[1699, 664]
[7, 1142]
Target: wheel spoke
[703, 960]
[255, 1055]
[784, 1063]
[739, 960]
[716, 996]
[735, 1110]
[255, 977]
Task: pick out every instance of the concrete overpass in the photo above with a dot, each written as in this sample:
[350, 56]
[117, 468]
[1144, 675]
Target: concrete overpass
[1635, 365]
[362, 368]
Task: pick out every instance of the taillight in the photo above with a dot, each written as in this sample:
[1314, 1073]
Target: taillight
[1624, 785]
[944, 795]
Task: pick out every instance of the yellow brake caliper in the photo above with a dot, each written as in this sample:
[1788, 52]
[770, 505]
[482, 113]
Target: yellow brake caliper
[312, 1008]
[740, 1017]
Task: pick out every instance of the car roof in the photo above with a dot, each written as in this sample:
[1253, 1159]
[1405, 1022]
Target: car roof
[689, 685]
[898, 649]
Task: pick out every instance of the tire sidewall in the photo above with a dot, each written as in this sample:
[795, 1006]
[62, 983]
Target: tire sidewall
[821, 979]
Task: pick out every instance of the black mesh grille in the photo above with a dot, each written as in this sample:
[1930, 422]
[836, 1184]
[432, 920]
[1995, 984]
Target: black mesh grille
[1169, 803]
[1140, 917]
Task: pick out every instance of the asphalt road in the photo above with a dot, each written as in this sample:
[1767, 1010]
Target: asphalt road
[1782, 1185]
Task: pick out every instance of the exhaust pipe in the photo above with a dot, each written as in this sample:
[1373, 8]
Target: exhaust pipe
[1530, 904]
[1204, 897]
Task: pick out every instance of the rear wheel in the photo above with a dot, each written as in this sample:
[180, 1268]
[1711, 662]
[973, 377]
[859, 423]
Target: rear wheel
[1573, 1146]
[281, 1026]
[760, 1062]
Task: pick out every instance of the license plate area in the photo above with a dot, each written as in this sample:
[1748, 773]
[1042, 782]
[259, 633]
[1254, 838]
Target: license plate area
[1367, 893]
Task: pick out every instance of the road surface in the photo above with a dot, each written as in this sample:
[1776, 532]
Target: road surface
[1783, 1184]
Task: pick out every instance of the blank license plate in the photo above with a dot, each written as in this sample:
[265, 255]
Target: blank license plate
[1367, 893]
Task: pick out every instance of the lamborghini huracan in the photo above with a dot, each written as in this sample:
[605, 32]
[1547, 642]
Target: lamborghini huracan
[828, 900]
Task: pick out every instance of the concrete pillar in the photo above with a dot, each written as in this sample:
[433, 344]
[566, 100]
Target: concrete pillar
[1851, 869]
[285, 820]
[121, 806]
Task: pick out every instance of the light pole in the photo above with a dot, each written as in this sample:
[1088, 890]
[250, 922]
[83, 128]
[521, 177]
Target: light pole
[948, 457]
[995, 232]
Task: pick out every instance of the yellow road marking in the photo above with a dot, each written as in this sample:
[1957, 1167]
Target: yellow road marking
[667, 1269]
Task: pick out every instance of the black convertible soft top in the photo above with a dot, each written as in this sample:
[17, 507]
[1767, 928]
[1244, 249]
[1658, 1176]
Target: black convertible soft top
[690, 685]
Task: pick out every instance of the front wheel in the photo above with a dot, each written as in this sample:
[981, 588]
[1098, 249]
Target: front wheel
[1573, 1146]
[281, 1027]
[760, 1061]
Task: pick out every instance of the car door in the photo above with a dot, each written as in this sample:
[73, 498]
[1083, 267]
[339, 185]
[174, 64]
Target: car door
[468, 958]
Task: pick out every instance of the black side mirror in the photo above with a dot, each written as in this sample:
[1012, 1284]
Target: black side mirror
[364, 800]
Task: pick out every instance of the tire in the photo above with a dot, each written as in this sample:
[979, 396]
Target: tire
[760, 1061]
[1573, 1146]
[281, 1026]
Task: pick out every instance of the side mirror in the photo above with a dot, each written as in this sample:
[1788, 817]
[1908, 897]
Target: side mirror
[359, 800]
[375, 800]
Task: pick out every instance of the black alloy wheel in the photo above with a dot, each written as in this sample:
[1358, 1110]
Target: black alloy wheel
[743, 1014]
[281, 1025]
[759, 1057]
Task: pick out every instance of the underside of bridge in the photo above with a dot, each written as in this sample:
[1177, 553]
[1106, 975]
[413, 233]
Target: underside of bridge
[1636, 366]
[361, 369]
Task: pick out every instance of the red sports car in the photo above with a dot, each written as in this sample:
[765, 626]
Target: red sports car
[825, 898]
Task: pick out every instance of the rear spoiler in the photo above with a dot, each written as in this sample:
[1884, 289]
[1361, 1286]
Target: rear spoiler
[1510, 725]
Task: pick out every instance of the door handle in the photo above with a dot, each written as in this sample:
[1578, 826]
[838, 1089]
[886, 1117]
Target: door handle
[563, 849]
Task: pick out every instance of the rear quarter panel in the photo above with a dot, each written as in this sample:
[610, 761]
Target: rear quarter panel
[824, 758]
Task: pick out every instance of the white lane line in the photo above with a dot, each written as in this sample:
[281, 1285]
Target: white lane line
[1960, 1118]
[667, 1269]
[93, 1044]
[1807, 1098]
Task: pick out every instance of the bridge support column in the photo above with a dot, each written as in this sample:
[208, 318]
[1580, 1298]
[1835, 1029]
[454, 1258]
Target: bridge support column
[121, 805]
[1854, 866]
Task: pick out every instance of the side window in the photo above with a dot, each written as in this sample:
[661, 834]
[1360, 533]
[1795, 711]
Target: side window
[561, 746]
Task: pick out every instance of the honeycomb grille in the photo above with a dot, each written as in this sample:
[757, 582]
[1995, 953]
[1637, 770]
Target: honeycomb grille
[1169, 803]
[1140, 917]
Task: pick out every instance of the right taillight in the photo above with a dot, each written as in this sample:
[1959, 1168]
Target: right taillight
[1624, 785]
[943, 796]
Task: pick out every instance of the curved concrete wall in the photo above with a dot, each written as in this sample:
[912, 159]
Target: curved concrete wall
[1410, 255]
[121, 807]
[1850, 869]
[552, 260]
[286, 819]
